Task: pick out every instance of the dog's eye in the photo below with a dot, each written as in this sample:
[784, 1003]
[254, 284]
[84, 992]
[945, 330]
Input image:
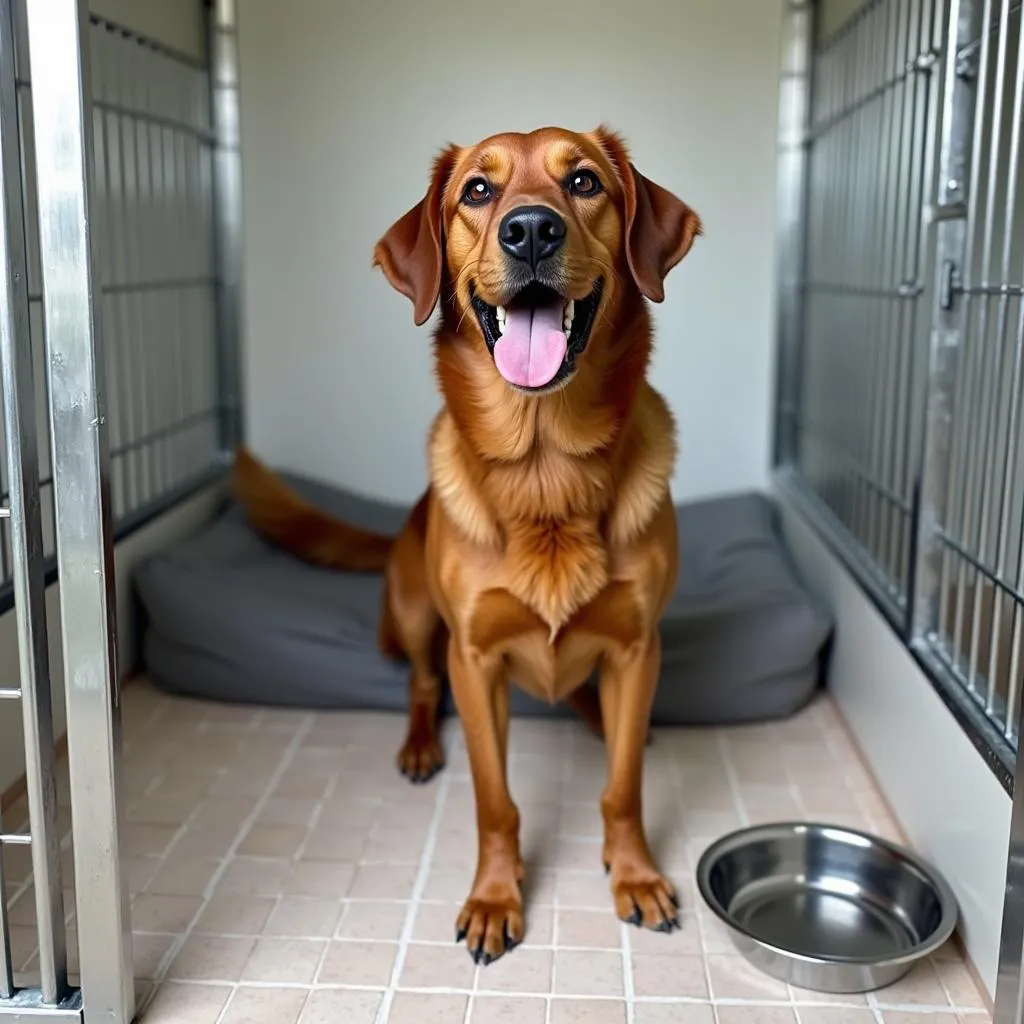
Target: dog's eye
[583, 183]
[476, 192]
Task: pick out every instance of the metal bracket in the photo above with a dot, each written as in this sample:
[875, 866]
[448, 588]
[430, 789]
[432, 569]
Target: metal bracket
[949, 284]
[923, 61]
[966, 66]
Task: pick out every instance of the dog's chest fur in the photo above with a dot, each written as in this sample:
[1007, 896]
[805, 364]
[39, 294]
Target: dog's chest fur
[554, 517]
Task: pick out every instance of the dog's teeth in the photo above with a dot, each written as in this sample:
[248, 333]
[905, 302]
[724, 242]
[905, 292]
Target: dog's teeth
[499, 312]
[570, 312]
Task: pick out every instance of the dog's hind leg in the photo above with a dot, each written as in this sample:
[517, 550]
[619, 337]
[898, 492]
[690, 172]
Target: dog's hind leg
[411, 627]
[587, 705]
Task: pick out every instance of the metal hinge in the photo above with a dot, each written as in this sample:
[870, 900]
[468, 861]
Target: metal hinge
[949, 284]
[965, 67]
[923, 61]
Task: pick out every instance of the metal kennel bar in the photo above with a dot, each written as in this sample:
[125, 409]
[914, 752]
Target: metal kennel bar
[223, 55]
[58, 40]
[901, 369]
[58, 51]
[1009, 1000]
[23, 514]
[794, 112]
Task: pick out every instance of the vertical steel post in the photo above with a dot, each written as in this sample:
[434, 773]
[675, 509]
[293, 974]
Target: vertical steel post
[25, 512]
[794, 116]
[949, 213]
[227, 181]
[1009, 1002]
[58, 33]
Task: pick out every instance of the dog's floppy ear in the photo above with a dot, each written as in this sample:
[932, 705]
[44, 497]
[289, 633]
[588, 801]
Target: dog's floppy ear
[660, 227]
[411, 254]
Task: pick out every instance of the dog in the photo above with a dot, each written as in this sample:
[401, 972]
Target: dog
[545, 547]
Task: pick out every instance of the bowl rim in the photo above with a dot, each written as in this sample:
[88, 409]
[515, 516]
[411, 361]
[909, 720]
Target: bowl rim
[735, 839]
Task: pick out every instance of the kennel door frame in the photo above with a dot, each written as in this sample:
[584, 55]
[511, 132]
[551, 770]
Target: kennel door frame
[58, 36]
[24, 515]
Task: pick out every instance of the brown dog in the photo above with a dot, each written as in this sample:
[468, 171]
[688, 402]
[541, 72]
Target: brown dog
[545, 546]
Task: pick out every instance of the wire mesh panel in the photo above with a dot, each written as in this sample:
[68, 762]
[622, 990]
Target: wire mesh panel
[900, 408]
[153, 201]
[976, 628]
[857, 422]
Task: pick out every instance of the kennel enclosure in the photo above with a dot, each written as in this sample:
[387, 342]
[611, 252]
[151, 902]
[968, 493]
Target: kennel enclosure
[900, 373]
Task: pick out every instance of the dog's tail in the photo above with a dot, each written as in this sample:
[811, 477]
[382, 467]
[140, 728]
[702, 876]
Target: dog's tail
[280, 515]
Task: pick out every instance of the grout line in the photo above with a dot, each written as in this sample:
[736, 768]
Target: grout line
[628, 983]
[551, 947]
[780, 1004]
[875, 1008]
[286, 758]
[314, 819]
[730, 774]
[422, 874]
[625, 942]
[554, 955]
[723, 754]
[556, 900]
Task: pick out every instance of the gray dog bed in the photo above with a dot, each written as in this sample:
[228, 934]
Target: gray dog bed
[231, 618]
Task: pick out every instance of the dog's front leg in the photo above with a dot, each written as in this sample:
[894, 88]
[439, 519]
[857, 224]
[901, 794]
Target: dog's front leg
[643, 896]
[491, 922]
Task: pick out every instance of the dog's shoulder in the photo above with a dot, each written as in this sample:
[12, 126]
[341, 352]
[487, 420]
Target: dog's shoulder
[647, 459]
[458, 491]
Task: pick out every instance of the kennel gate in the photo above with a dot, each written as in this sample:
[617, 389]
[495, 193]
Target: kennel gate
[900, 386]
[128, 153]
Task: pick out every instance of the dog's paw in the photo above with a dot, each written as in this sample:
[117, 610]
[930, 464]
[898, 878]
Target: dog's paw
[646, 899]
[421, 758]
[491, 927]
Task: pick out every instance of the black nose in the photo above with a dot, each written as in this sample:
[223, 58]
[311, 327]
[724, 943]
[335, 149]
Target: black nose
[531, 233]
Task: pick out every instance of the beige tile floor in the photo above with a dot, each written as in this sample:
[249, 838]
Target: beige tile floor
[282, 872]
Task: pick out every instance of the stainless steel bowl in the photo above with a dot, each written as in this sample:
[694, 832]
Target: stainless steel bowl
[826, 908]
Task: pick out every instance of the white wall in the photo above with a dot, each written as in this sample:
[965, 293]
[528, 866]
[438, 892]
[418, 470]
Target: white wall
[946, 799]
[343, 106]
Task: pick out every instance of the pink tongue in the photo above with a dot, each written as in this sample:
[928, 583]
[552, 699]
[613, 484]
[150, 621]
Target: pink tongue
[531, 350]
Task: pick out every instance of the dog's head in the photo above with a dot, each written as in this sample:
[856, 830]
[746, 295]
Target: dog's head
[538, 235]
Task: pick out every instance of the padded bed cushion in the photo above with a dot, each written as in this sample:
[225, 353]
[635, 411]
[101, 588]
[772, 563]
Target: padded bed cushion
[231, 618]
